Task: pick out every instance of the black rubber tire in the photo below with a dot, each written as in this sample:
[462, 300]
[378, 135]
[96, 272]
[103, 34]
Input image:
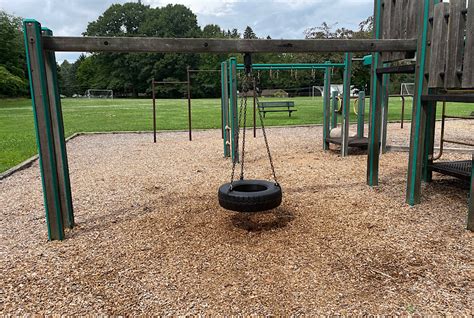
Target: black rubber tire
[250, 196]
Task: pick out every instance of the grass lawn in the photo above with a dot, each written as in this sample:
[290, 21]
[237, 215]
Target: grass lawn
[17, 134]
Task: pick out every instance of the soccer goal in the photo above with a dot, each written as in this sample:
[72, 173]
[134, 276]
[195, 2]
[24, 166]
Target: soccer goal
[407, 89]
[99, 93]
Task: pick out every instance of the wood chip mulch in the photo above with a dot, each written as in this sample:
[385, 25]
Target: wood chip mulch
[151, 237]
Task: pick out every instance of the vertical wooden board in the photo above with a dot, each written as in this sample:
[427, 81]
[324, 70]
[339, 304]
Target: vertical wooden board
[412, 18]
[361, 114]
[468, 66]
[418, 125]
[438, 46]
[44, 135]
[57, 126]
[396, 30]
[455, 48]
[385, 25]
[385, 102]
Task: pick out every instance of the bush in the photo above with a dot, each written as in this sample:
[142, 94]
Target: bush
[12, 85]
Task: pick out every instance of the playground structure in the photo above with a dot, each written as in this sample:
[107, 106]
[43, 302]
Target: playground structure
[444, 71]
[189, 71]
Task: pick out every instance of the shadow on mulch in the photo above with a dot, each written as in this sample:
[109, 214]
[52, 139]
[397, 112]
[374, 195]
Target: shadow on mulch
[263, 221]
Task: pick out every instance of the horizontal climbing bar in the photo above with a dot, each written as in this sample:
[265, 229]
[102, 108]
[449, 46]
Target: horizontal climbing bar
[299, 66]
[165, 45]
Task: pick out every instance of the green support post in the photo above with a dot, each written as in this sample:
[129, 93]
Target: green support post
[375, 114]
[58, 134]
[361, 114]
[234, 120]
[470, 213]
[326, 107]
[44, 128]
[429, 141]
[334, 105]
[346, 106]
[225, 107]
[420, 109]
[385, 103]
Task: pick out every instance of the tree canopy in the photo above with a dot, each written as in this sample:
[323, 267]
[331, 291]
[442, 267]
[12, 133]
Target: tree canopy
[129, 74]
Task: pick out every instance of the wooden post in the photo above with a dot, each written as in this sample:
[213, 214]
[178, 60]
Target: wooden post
[470, 213]
[361, 114]
[326, 107]
[44, 128]
[234, 122]
[373, 152]
[189, 104]
[58, 134]
[334, 105]
[346, 106]
[419, 114]
[385, 103]
[225, 107]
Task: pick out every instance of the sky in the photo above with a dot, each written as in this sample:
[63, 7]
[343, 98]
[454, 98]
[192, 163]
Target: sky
[281, 19]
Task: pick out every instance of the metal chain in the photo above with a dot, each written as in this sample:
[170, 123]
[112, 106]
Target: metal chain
[244, 128]
[266, 142]
[237, 139]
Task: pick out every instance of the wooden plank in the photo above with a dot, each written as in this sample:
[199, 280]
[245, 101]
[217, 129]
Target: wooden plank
[438, 46]
[334, 105]
[168, 45]
[455, 49]
[412, 19]
[385, 23]
[44, 134]
[385, 102]
[57, 126]
[346, 106]
[396, 30]
[468, 66]
[375, 114]
[418, 125]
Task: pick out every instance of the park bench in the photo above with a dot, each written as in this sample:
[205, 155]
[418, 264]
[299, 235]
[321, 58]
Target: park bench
[273, 107]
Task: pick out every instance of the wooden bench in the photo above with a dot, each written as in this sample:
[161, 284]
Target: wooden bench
[274, 107]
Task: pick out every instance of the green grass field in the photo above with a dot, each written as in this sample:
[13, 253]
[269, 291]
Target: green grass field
[17, 135]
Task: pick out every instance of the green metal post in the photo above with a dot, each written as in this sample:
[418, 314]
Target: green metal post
[385, 103]
[373, 152]
[346, 106]
[44, 128]
[334, 105]
[326, 106]
[58, 134]
[361, 114]
[470, 213]
[234, 120]
[225, 107]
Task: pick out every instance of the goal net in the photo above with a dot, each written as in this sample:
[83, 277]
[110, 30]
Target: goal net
[407, 89]
[99, 93]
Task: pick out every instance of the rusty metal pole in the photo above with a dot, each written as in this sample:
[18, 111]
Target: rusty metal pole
[254, 109]
[403, 111]
[154, 108]
[189, 104]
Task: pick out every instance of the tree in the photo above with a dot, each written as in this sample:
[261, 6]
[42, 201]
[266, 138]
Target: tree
[12, 56]
[249, 34]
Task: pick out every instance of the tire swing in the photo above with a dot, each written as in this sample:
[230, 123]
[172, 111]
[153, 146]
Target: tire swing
[246, 195]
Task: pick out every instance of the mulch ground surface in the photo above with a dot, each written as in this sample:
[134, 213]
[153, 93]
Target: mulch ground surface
[151, 237]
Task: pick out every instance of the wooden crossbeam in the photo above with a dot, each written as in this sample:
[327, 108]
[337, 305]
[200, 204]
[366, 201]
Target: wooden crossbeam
[164, 45]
